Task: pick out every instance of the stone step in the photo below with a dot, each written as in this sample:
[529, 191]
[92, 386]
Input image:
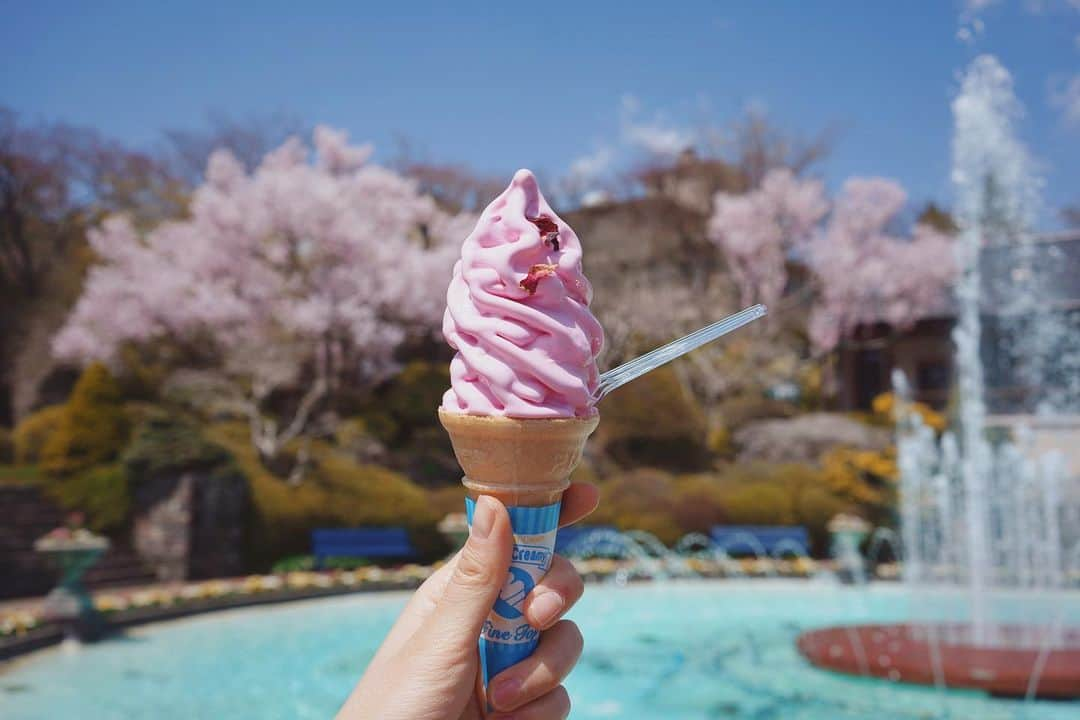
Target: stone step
[119, 566]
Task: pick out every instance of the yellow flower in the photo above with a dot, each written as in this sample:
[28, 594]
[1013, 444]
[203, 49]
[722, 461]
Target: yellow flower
[298, 580]
[884, 404]
[143, 598]
[217, 588]
[805, 565]
[110, 603]
[931, 417]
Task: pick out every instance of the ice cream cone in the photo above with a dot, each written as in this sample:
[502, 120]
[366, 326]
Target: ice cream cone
[526, 464]
[523, 375]
[521, 462]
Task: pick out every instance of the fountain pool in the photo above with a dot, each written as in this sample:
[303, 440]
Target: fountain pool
[680, 650]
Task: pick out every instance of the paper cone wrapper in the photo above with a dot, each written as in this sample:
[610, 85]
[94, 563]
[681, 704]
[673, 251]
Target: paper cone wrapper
[526, 464]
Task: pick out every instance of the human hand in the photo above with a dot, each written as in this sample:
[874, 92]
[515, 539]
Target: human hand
[428, 666]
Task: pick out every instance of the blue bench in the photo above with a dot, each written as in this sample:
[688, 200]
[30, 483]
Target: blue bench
[756, 539]
[392, 542]
[569, 536]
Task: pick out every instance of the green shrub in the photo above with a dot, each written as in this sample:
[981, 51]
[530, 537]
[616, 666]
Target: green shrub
[373, 422]
[760, 504]
[640, 500]
[93, 429]
[428, 458]
[165, 443]
[294, 563]
[344, 562]
[742, 409]
[445, 500]
[782, 494]
[750, 494]
[865, 477]
[654, 422]
[144, 371]
[585, 472]
[31, 434]
[336, 491]
[719, 441]
[698, 503]
[413, 396]
[351, 432]
[7, 447]
[811, 379]
[101, 493]
[20, 475]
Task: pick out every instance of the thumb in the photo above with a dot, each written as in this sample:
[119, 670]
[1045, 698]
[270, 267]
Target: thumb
[480, 573]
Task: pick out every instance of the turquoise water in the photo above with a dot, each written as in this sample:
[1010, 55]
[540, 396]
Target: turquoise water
[681, 651]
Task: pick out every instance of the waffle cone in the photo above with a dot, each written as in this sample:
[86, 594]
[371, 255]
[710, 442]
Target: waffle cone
[522, 462]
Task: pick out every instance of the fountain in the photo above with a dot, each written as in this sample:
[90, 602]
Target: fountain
[69, 604]
[641, 555]
[982, 521]
[848, 532]
[881, 539]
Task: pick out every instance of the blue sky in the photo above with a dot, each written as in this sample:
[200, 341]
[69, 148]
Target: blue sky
[549, 84]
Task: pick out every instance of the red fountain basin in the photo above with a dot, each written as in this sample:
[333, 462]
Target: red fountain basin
[904, 653]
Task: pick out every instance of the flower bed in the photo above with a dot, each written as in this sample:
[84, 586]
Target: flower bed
[124, 608]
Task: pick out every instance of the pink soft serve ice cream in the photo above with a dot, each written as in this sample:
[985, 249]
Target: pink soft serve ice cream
[517, 312]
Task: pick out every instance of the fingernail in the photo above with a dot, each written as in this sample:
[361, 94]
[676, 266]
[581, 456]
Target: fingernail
[546, 606]
[505, 692]
[483, 518]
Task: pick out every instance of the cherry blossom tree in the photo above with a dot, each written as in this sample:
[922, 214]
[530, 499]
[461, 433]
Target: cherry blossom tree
[867, 273]
[758, 231]
[862, 271]
[298, 276]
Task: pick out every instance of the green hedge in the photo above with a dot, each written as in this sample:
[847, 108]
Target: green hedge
[335, 492]
[412, 397]
[742, 409]
[31, 434]
[101, 493]
[654, 422]
[167, 443]
[93, 429]
[20, 475]
[671, 506]
[640, 500]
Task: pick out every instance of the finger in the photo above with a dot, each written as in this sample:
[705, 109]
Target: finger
[540, 673]
[553, 595]
[553, 706]
[579, 500]
[478, 574]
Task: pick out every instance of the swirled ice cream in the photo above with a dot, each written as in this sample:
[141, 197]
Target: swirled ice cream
[517, 312]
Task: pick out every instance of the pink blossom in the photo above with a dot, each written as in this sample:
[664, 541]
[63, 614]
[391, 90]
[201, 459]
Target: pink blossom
[866, 274]
[330, 265]
[863, 272]
[758, 230]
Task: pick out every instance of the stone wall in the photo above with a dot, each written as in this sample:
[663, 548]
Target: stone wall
[191, 525]
[24, 517]
[26, 514]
